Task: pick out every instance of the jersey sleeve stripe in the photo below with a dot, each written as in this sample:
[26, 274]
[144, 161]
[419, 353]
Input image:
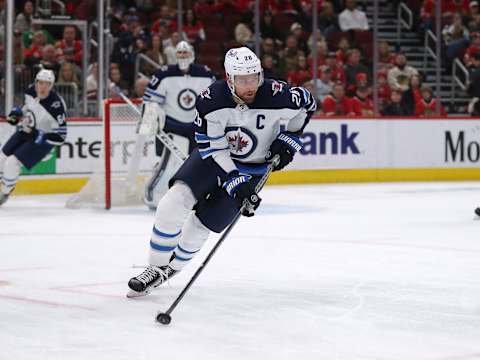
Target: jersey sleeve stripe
[203, 138]
[154, 93]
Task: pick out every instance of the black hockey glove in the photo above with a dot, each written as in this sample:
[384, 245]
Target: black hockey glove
[15, 116]
[242, 190]
[285, 146]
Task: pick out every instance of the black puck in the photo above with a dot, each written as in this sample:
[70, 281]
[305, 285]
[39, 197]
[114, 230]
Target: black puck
[164, 319]
[477, 211]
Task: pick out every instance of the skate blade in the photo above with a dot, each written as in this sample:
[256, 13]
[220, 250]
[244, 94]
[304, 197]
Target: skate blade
[131, 294]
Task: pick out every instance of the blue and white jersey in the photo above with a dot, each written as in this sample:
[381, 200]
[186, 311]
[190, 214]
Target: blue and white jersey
[228, 131]
[47, 115]
[176, 92]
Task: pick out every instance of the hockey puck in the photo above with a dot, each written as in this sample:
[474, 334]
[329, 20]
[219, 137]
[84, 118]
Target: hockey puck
[164, 318]
[477, 211]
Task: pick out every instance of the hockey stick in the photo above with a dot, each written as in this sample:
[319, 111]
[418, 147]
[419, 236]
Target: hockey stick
[165, 318]
[162, 136]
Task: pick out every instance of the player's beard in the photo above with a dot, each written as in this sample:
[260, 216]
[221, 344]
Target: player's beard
[249, 97]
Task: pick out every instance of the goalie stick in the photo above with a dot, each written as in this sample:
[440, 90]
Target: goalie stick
[140, 141]
[165, 317]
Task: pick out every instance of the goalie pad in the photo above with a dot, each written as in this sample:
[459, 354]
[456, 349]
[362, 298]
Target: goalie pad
[153, 118]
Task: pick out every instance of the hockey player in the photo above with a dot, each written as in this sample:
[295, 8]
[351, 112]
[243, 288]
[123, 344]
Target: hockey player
[238, 132]
[169, 105]
[40, 126]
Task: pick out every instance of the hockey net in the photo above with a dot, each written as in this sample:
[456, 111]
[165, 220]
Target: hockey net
[119, 174]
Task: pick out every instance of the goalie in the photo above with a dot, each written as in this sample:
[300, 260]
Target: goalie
[40, 126]
[169, 106]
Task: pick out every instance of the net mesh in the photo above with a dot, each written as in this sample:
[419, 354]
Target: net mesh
[127, 149]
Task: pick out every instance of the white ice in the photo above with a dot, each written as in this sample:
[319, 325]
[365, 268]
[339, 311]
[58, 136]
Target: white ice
[377, 271]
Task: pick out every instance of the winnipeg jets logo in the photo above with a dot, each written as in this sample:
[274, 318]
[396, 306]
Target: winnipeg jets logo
[186, 99]
[277, 87]
[242, 142]
[237, 143]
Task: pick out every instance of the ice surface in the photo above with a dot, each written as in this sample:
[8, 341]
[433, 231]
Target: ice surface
[378, 271]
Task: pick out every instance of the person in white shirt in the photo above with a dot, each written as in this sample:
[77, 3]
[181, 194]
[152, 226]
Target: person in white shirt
[352, 18]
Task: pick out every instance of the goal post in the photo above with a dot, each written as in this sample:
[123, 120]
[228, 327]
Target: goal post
[126, 159]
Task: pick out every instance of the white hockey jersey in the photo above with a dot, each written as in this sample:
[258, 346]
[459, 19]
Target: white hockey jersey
[47, 115]
[234, 134]
[176, 92]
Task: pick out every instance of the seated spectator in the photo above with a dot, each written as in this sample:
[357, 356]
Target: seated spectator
[92, 81]
[193, 29]
[352, 68]
[395, 107]
[337, 104]
[33, 54]
[268, 28]
[243, 35]
[324, 84]
[386, 58]
[338, 72]
[268, 48]
[30, 34]
[23, 22]
[116, 78]
[155, 53]
[473, 86]
[164, 18]
[289, 54]
[68, 74]
[383, 88]
[399, 76]
[18, 49]
[412, 95]
[352, 18]
[427, 106]
[301, 74]
[169, 48]
[269, 69]
[49, 59]
[140, 86]
[473, 49]
[343, 48]
[322, 54]
[297, 30]
[328, 19]
[362, 103]
[472, 19]
[69, 48]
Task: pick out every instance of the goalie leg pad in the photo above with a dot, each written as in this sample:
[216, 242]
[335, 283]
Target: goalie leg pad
[171, 213]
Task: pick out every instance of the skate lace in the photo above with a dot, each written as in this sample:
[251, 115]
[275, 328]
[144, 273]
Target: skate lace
[151, 273]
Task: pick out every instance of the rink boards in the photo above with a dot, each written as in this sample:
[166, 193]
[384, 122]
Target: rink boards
[335, 150]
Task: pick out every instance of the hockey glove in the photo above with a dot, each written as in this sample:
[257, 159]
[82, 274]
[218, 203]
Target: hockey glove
[239, 187]
[15, 116]
[285, 146]
[27, 125]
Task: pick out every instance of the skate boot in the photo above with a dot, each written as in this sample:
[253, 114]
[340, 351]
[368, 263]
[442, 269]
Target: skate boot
[152, 277]
[3, 198]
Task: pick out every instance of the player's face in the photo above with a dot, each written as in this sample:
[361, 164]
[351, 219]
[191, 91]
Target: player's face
[42, 88]
[246, 87]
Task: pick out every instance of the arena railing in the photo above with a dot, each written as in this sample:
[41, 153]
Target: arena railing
[403, 9]
[429, 48]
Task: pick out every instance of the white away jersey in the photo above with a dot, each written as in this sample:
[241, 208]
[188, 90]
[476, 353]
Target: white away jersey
[228, 131]
[47, 115]
[176, 92]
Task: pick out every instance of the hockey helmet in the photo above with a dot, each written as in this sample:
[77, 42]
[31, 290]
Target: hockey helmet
[46, 75]
[242, 61]
[184, 61]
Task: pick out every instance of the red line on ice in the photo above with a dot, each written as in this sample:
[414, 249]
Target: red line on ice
[44, 302]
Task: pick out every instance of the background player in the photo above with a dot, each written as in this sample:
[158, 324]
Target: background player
[40, 126]
[238, 130]
[169, 105]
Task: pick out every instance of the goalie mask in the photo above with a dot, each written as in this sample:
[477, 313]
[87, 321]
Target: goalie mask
[185, 55]
[242, 61]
